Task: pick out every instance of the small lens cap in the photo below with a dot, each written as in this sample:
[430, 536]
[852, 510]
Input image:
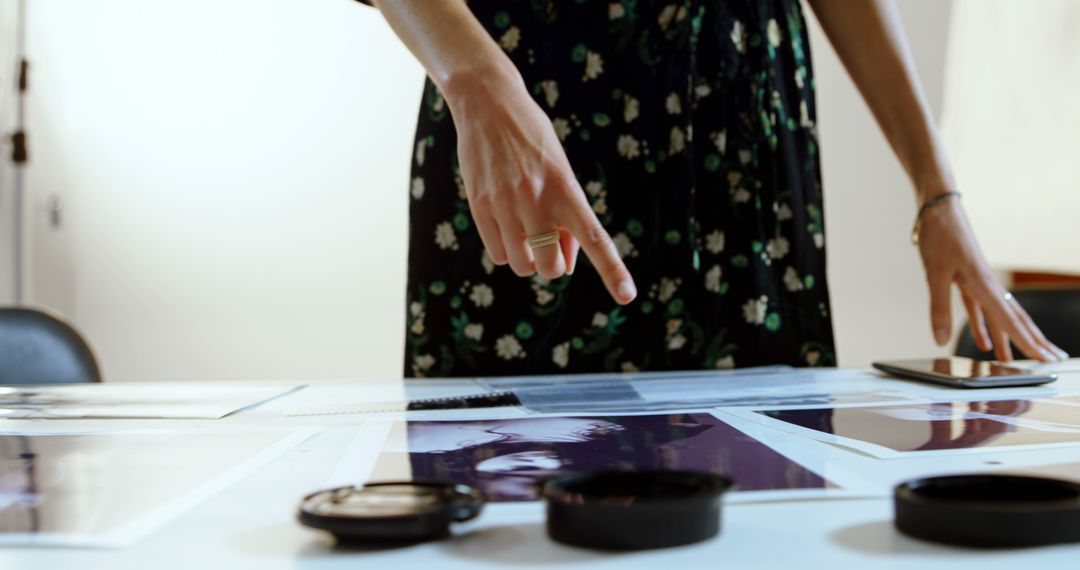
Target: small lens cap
[634, 510]
[391, 512]
[989, 510]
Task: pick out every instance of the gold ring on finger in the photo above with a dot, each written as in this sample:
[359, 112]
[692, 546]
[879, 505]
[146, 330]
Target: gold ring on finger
[542, 240]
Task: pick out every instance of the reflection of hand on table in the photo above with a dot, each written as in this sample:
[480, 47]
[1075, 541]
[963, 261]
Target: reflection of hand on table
[979, 425]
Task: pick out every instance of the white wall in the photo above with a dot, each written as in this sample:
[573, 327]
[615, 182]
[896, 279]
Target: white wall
[8, 74]
[1013, 135]
[235, 177]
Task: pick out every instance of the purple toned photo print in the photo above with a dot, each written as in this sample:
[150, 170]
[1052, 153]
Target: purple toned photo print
[506, 458]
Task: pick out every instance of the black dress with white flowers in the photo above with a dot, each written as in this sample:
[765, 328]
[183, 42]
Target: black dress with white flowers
[691, 127]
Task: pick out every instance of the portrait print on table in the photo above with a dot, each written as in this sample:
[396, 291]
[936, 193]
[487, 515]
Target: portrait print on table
[506, 459]
[889, 431]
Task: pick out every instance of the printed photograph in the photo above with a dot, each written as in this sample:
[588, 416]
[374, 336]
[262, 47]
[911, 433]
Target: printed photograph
[943, 425]
[508, 459]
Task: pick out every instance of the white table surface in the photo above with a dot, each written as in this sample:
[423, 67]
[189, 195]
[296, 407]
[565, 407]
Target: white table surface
[252, 523]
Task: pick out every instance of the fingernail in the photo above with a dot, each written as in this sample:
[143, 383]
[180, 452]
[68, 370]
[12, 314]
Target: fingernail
[1047, 355]
[626, 290]
[941, 335]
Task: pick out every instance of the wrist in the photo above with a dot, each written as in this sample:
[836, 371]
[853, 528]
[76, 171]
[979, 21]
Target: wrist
[479, 81]
[935, 209]
[929, 191]
[933, 180]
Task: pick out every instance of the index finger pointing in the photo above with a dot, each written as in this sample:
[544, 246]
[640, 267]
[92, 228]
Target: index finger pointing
[601, 250]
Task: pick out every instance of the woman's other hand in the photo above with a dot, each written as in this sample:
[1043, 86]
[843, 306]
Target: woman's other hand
[519, 183]
[951, 255]
[869, 38]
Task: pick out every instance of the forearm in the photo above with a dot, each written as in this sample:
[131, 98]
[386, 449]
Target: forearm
[869, 38]
[458, 54]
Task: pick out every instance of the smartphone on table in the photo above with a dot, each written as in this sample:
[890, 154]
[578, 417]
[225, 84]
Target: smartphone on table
[960, 372]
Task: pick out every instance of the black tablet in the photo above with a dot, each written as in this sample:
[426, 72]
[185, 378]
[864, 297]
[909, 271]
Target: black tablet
[960, 372]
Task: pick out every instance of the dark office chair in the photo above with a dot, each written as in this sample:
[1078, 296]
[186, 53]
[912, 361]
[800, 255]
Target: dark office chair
[1056, 311]
[38, 348]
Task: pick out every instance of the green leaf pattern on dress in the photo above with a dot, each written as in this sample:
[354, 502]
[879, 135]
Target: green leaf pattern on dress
[691, 128]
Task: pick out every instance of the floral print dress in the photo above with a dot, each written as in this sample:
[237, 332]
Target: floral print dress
[691, 126]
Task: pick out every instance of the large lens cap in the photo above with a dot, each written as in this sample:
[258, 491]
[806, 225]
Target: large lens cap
[391, 512]
[989, 510]
[634, 510]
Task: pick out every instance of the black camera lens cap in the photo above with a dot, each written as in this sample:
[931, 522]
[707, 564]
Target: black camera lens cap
[989, 510]
[634, 510]
[391, 512]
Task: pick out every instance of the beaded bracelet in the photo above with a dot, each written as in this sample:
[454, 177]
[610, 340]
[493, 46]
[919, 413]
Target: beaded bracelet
[926, 206]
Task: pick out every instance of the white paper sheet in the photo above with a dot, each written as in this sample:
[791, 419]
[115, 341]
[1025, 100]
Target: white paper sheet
[172, 400]
[109, 490]
[1063, 471]
[633, 393]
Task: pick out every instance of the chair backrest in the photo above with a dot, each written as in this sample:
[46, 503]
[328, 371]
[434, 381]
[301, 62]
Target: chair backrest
[38, 348]
[1056, 311]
